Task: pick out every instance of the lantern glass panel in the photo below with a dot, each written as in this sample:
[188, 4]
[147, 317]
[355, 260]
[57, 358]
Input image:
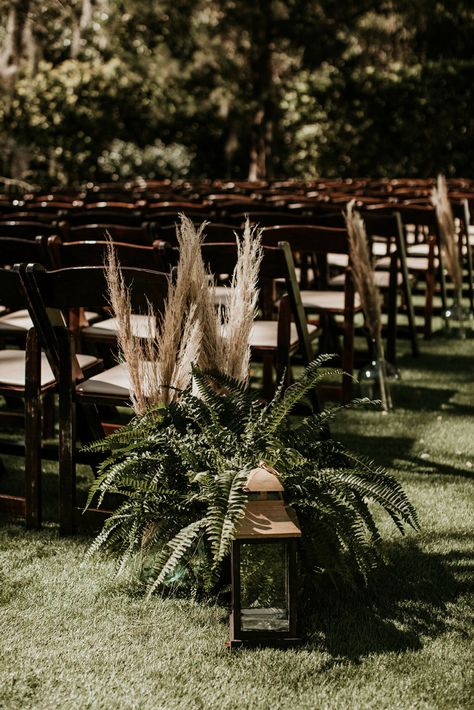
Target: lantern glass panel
[264, 587]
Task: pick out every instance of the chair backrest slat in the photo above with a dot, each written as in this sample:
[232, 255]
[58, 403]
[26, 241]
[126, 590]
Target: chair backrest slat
[319, 240]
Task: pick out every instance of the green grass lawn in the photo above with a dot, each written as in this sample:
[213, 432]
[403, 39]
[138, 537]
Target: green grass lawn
[73, 637]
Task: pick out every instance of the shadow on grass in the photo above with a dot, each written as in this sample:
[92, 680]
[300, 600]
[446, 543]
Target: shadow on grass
[394, 452]
[421, 399]
[404, 602]
[445, 363]
[429, 399]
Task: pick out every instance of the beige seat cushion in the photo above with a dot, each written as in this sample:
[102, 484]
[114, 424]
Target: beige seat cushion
[382, 279]
[326, 300]
[341, 260]
[17, 321]
[142, 327]
[113, 382]
[12, 368]
[414, 263]
[380, 248]
[221, 295]
[418, 250]
[264, 334]
[20, 320]
[310, 275]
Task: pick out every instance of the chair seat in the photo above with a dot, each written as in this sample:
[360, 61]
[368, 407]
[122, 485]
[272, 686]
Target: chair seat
[20, 321]
[380, 248]
[264, 335]
[341, 260]
[418, 250]
[141, 327]
[221, 295]
[382, 279]
[12, 368]
[309, 275]
[414, 263]
[326, 301]
[114, 382]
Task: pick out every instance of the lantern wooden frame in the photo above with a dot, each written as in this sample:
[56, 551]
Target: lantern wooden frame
[267, 520]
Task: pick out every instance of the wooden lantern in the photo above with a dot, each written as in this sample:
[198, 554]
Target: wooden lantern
[264, 575]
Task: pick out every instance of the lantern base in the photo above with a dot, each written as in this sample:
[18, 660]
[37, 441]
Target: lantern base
[284, 642]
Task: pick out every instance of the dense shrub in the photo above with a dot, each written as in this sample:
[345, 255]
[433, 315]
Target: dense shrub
[84, 120]
[408, 121]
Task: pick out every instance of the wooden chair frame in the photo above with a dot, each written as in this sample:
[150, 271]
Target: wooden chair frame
[51, 295]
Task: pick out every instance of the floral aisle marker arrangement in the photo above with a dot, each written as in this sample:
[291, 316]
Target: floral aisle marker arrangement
[457, 318]
[373, 377]
[181, 467]
[182, 471]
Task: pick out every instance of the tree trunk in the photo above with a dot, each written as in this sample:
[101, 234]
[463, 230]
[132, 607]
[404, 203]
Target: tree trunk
[262, 71]
[12, 50]
[12, 55]
[79, 24]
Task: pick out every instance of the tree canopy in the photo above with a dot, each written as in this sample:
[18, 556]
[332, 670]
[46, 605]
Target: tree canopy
[108, 89]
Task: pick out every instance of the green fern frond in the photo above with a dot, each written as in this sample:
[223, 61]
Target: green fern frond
[225, 510]
[181, 472]
[277, 411]
[179, 545]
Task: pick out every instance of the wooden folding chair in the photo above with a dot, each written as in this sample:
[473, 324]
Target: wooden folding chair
[14, 323]
[327, 303]
[461, 214]
[24, 376]
[424, 256]
[51, 295]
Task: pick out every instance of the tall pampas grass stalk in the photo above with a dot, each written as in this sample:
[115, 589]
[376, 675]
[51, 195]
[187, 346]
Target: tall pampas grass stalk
[226, 328]
[362, 271]
[192, 329]
[130, 349]
[369, 294]
[447, 229]
[159, 363]
[241, 307]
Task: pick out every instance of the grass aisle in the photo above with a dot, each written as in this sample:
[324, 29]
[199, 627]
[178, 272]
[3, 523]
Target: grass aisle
[72, 637]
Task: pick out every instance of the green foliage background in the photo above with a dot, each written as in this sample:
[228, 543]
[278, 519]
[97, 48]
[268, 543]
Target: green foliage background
[174, 88]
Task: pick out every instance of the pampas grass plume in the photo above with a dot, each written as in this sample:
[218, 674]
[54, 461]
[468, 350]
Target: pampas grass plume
[447, 229]
[363, 273]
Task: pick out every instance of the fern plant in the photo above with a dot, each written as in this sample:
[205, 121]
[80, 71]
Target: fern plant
[181, 471]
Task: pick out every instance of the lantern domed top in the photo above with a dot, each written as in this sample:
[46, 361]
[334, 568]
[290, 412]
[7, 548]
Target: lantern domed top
[266, 515]
[263, 479]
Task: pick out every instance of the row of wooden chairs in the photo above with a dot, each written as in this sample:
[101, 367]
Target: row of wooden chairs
[51, 296]
[421, 217]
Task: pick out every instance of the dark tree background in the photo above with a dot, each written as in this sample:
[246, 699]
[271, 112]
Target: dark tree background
[110, 89]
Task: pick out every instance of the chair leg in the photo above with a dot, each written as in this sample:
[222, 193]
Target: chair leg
[48, 417]
[67, 439]
[410, 311]
[430, 285]
[33, 433]
[268, 384]
[470, 273]
[392, 315]
[348, 357]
